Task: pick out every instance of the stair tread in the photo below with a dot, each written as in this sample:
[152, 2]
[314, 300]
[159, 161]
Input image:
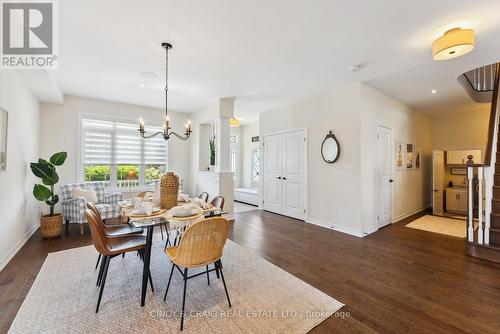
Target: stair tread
[493, 246]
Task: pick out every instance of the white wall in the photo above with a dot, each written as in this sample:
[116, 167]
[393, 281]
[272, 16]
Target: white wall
[411, 187]
[343, 195]
[20, 211]
[334, 189]
[60, 127]
[461, 129]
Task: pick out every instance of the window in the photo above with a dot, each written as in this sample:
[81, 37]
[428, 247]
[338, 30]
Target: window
[233, 151]
[113, 151]
[255, 169]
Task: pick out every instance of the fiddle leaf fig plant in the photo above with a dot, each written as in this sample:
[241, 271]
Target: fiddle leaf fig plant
[46, 171]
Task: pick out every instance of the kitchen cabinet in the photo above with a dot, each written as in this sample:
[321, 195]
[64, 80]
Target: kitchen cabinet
[456, 200]
[459, 157]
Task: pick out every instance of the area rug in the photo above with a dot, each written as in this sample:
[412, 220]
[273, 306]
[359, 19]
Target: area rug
[265, 298]
[441, 225]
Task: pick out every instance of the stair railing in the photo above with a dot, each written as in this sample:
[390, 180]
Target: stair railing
[485, 176]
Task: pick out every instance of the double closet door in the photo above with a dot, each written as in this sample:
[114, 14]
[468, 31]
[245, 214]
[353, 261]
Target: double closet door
[285, 174]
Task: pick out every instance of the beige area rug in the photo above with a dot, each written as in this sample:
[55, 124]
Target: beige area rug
[265, 298]
[441, 225]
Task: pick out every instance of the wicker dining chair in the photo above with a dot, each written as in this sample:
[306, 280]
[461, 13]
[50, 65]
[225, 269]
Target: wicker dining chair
[204, 196]
[218, 202]
[201, 245]
[109, 247]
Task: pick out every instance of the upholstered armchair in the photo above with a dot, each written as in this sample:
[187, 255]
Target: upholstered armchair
[74, 207]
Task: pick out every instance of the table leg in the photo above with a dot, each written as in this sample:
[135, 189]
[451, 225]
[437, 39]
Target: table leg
[147, 259]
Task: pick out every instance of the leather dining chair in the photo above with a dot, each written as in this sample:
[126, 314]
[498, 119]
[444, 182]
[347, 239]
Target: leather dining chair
[218, 202]
[200, 246]
[204, 196]
[113, 230]
[109, 247]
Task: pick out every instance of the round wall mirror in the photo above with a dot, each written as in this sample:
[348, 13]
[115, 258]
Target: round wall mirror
[330, 148]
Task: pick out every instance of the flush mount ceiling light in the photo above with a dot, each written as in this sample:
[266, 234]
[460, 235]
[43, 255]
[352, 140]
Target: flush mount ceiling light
[454, 43]
[234, 122]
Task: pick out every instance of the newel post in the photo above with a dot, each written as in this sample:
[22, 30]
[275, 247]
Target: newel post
[470, 201]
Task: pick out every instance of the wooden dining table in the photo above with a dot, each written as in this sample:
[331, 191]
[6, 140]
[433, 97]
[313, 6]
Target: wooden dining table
[148, 223]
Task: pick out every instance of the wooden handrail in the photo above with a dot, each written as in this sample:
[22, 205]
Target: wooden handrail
[493, 112]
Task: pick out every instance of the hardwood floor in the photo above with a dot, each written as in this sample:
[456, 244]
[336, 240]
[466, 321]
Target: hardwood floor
[397, 280]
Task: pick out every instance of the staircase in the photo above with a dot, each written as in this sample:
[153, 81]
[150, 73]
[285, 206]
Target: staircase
[484, 242]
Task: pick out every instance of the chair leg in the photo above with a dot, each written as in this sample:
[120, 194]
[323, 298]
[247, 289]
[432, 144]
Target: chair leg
[168, 238]
[123, 255]
[98, 259]
[169, 279]
[151, 282]
[161, 230]
[101, 270]
[105, 274]
[184, 297]
[208, 276]
[224, 282]
[217, 271]
[67, 225]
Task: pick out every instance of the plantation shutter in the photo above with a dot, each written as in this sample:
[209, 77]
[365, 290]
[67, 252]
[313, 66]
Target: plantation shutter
[128, 144]
[97, 146]
[119, 143]
[155, 149]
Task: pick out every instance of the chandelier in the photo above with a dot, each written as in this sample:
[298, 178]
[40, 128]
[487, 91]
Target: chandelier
[167, 129]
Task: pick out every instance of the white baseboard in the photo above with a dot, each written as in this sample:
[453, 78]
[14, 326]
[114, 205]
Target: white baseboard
[338, 228]
[17, 247]
[408, 214]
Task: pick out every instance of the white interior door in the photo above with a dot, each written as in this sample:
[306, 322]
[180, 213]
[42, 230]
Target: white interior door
[384, 176]
[272, 173]
[437, 182]
[284, 174]
[293, 174]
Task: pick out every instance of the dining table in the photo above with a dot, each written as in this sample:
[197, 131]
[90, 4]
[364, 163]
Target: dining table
[161, 217]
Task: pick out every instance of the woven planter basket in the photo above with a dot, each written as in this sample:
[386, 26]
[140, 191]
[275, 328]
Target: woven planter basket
[169, 190]
[51, 226]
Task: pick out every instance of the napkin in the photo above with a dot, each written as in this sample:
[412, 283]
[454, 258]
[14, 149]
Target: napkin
[201, 203]
[184, 210]
[183, 197]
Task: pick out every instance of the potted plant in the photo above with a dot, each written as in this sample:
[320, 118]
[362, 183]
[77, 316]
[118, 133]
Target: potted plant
[211, 141]
[51, 224]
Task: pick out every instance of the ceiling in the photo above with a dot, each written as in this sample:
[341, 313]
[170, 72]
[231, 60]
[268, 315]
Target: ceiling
[267, 53]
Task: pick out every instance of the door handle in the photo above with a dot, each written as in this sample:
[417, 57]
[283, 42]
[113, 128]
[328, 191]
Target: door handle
[284, 178]
[391, 180]
[278, 177]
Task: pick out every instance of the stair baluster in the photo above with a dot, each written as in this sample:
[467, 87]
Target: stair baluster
[470, 195]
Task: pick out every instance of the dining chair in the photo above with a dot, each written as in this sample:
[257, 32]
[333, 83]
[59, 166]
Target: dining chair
[218, 202]
[204, 196]
[109, 247]
[201, 245]
[113, 230]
